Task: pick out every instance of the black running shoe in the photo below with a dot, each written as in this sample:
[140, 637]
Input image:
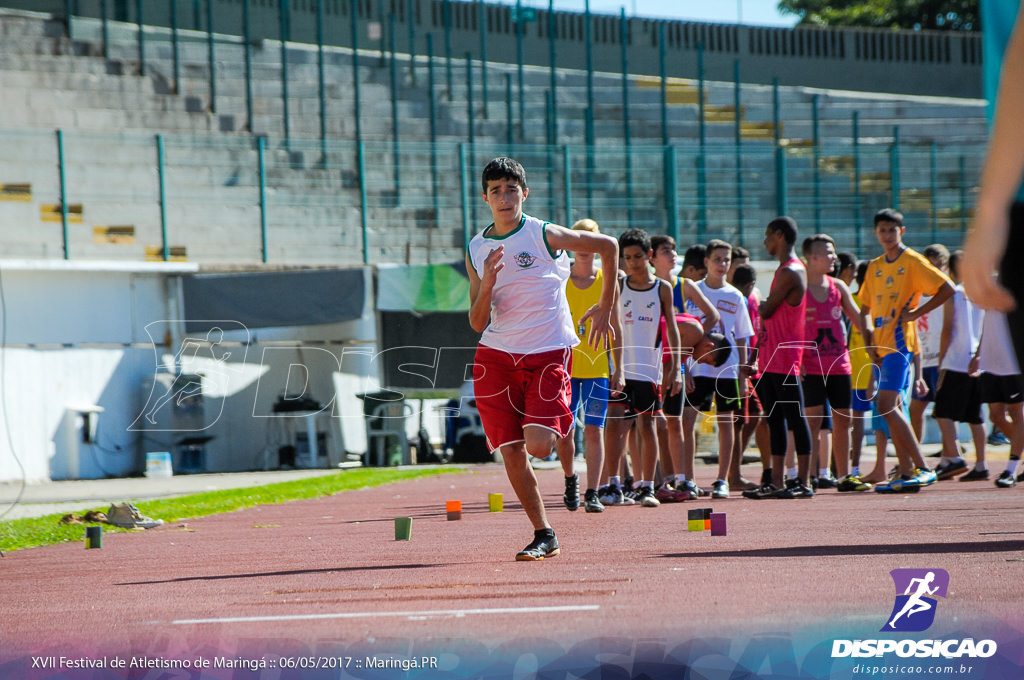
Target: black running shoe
[572, 493]
[542, 546]
[591, 503]
[760, 493]
[1006, 480]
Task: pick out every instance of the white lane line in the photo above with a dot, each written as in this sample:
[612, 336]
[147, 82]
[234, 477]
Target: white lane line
[410, 615]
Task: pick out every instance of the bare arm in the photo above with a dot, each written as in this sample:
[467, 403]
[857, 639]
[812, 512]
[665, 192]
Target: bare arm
[480, 290]
[618, 381]
[1000, 180]
[672, 380]
[608, 249]
[944, 293]
[693, 292]
[946, 336]
[784, 285]
[849, 308]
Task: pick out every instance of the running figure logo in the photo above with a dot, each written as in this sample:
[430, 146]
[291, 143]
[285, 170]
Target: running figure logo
[914, 609]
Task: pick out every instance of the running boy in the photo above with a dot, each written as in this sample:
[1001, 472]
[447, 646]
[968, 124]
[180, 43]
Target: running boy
[892, 288]
[522, 364]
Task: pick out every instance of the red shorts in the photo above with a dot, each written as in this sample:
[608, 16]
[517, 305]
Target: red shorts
[515, 390]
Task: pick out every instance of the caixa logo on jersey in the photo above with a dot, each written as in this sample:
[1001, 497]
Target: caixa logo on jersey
[913, 611]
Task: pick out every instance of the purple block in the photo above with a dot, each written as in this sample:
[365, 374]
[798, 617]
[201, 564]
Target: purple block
[718, 524]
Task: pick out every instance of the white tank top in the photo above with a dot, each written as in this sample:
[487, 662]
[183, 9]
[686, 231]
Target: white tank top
[929, 334]
[966, 332]
[641, 339]
[997, 355]
[529, 311]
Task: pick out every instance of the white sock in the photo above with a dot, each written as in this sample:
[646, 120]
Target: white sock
[823, 472]
[1011, 466]
[681, 479]
[614, 481]
[981, 466]
[791, 472]
[855, 471]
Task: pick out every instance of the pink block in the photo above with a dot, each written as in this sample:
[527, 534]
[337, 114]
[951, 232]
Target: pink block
[718, 524]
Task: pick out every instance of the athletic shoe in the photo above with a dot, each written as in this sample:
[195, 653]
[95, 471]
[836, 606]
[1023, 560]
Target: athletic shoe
[796, 490]
[1006, 480]
[127, 516]
[760, 493]
[690, 487]
[925, 477]
[947, 469]
[645, 497]
[666, 493]
[900, 485]
[720, 489]
[826, 482]
[572, 493]
[1020, 477]
[997, 438]
[591, 503]
[852, 483]
[613, 495]
[539, 548]
[975, 475]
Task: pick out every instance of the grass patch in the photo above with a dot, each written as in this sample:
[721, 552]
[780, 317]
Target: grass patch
[18, 534]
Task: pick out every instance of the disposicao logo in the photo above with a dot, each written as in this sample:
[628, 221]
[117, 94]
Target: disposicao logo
[914, 610]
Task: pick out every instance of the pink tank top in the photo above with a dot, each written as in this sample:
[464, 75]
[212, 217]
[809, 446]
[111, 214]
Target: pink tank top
[828, 355]
[754, 340]
[665, 349]
[781, 345]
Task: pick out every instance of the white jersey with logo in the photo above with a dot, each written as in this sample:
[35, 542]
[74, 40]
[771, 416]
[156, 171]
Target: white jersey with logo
[529, 310]
[734, 324]
[967, 320]
[641, 337]
[996, 352]
[929, 334]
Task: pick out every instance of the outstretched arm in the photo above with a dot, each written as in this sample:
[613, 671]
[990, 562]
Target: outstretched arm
[607, 248]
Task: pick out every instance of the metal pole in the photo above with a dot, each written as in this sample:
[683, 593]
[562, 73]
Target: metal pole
[588, 114]
[363, 218]
[355, 73]
[934, 189]
[432, 106]
[671, 193]
[738, 123]
[552, 30]
[816, 159]
[469, 97]
[464, 194]
[322, 83]
[175, 57]
[284, 68]
[664, 83]
[211, 56]
[550, 155]
[106, 29]
[448, 44]
[396, 144]
[62, 177]
[776, 112]
[702, 198]
[519, 61]
[411, 18]
[260, 152]
[247, 30]
[481, 9]
[856, 180]
[963, 194]
[567, 171]
[627, 137]
[508, 112]
[781, 183]
[141, 38]
[69, 13]
[163, 197]
[894, 167]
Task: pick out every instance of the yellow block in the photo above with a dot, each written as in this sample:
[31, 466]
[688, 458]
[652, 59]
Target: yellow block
[496, 502]
[123, 235]
[16, 192]
[176, 254]
[695, 524]
[50, 212]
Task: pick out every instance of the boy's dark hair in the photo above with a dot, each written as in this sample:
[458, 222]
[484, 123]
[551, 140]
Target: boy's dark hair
[809, 242]
[862, 271]
[740, 253]
[785, 226]
[504, 168]
[722, 349]
[694, 257]
[888, 215]
[715, 244]
[937, 251]
[846, 260]
[660, 240]
[743, 274]
[954, 263]
[635, 237]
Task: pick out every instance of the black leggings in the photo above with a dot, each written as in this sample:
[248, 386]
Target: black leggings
[782, 398]
[1011, 275]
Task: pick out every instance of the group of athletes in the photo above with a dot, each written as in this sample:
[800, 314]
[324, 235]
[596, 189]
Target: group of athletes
[640, 353]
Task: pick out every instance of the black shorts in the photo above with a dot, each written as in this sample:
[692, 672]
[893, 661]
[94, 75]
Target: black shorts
[837, 390]
[1001, 389]
[724, 391]
[638, 396]
[1011, 275]
[958, 398]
